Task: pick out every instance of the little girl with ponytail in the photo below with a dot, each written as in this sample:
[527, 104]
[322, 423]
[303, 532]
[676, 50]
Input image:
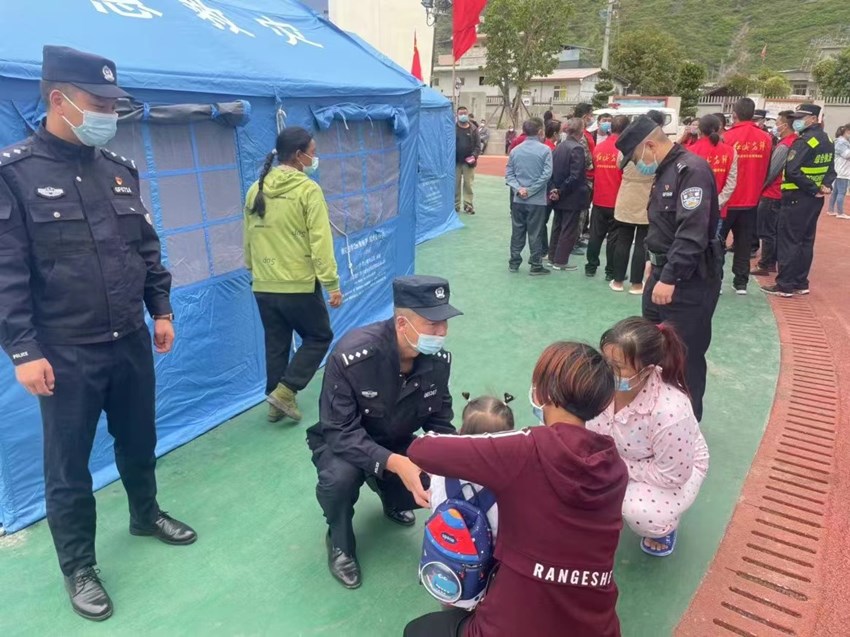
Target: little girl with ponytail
[653, 425]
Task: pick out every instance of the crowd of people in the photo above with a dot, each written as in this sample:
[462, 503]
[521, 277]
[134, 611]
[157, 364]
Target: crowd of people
[619, 439]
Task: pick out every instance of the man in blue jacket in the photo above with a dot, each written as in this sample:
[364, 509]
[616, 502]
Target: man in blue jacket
[527, 174]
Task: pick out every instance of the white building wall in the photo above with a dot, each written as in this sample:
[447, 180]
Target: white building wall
[388, 25]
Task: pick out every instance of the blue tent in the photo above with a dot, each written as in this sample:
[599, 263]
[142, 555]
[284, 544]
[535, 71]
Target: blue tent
[239, 70]
[435, 206]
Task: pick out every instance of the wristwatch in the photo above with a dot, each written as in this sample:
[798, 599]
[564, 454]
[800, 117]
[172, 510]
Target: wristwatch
[163, 317]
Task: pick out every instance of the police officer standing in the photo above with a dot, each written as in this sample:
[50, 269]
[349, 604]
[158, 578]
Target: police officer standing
[78, 257]
[684, 253]
[382, 383]
[809, 174]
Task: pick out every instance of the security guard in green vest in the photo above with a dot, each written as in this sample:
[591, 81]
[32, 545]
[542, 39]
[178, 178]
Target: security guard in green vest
[809, 173]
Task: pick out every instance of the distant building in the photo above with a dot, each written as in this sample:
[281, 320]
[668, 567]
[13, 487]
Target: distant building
[388, 25]
[802, 82]
[573, 81]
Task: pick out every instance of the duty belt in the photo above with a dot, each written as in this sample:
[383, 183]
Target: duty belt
[658, 260]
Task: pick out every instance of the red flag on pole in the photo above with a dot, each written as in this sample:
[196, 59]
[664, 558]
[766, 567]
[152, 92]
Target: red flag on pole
[467, 15]
[416, 67]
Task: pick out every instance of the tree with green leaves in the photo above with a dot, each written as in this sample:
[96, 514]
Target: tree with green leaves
[524, 38]
[649, 61]
[604, 89]
[740, 84]
[833, 76]
[690, 81]
[776, 86]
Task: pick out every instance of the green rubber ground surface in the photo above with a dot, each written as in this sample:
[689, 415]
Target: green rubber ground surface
[248, 487]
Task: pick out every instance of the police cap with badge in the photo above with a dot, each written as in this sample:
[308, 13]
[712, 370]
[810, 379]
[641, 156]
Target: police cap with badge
[633, 136]
[86, 71]
[427, 296]
[806, 110]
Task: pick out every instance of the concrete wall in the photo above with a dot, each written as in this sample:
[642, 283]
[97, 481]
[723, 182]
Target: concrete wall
[388, 25]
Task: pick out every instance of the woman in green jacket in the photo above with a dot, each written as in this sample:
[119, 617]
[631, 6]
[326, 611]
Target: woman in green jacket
[289, 252]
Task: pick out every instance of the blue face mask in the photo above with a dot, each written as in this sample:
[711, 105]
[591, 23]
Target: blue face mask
[463, 119]
[605, 127]
[628, 384]
[536, 409]
[774, 131]
[314, 165]
[799, 125]
[96, 129]
[426, 343]
[643, 167]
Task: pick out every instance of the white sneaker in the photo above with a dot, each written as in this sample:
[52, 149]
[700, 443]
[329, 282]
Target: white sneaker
[637, 290]
[741, 291]
[617, 287]
[842, 216]
[832, 214]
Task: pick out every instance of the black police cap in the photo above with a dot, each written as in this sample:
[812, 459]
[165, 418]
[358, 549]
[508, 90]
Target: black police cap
[428, 296]
[631, 138]
[759, 113]
[88, 72]
[807, 110]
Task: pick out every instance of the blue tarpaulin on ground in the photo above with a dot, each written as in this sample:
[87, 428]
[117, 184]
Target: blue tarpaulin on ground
[289, 67]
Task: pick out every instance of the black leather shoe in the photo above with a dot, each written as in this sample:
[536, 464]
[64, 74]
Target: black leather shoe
[168, 530]
[405, 518]
[344, 568]
[88, 597]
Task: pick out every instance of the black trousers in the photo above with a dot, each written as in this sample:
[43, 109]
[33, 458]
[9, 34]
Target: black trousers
[116, 377]
[601, 229]
[690, 313]
[527, 223]
[446, 623]
[544, 231]
[798, 224]
[741, 222]
[307, 316]
[626, 234]
[565, 231]
[768, 223]
[338, 490]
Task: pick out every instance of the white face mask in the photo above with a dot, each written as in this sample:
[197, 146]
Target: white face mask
[96, 129]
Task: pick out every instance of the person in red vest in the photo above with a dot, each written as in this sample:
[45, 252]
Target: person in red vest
[754, 147]
[771, 198]
[606, 185]
[720, 156]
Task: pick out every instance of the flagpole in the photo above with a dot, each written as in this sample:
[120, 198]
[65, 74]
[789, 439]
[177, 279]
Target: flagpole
[455, 92]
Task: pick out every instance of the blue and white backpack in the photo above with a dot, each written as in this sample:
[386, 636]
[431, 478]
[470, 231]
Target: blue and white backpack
[457, 551]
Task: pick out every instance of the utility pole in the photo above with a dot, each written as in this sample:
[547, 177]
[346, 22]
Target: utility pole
[609, 14]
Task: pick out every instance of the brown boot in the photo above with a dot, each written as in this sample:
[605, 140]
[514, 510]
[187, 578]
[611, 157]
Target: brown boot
[284, 399]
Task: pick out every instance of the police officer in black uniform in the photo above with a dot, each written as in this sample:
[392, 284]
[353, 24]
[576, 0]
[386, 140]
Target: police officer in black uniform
[809, 175]
[683, 251]
[78, 257]
[382, 383]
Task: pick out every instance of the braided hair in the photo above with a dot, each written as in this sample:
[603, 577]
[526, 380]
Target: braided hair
[289, 142]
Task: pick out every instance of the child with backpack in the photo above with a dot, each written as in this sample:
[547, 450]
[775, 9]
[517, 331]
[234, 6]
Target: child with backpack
[560, 489]
[482, 415]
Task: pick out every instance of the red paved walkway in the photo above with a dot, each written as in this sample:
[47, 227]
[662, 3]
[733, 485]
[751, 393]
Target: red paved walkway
[783, 565]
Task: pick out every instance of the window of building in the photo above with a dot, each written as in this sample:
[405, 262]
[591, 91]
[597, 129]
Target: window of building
[800, 88]
[435, 80]
[559, 93]
[480, 80]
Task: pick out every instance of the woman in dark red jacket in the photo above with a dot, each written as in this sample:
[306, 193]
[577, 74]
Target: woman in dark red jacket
[560, 490]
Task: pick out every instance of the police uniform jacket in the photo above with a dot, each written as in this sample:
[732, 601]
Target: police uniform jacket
[367, 411]
[683, 216]
[78, 252]
[810, 163]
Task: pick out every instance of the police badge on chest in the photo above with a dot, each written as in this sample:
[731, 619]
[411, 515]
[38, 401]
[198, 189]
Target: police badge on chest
[120, 189]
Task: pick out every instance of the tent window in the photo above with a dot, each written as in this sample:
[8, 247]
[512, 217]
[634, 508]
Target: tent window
[191, 185]
[359, 173]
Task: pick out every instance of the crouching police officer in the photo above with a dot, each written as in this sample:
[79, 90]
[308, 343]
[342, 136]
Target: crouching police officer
[684, 254]
[382, 383]
[78, 257]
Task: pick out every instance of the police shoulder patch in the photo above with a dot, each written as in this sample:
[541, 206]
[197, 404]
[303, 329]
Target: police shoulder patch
[691, 198]
[349, 357]
[444, 356]
[14, 153]
[681, 167]
[119, 159]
